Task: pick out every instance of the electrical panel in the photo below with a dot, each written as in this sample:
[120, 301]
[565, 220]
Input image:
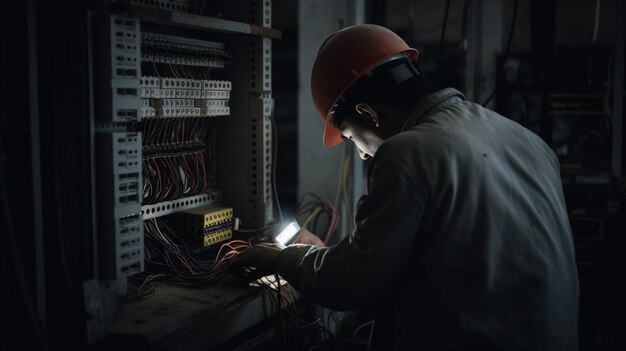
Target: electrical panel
[119, 184]
[119, 178]
[117, 58]
[157, 118]
[182, 136]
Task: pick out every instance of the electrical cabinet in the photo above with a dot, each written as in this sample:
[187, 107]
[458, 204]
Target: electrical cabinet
[153, 112]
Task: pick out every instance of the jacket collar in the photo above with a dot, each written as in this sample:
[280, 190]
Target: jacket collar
[431, 104]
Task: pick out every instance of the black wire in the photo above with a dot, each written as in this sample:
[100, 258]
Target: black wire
[358, 329]
[506, 52]
[274, 159]
[441, 40]
[279, 311]
[464, 23]
[411, 19]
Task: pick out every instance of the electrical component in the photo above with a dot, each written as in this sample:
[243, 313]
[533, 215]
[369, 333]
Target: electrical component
[174, 50]
[117, 52]
[172, 5]
[174, 103]
[206, 226]
[178, 112]
[119, 184]
[176, 97]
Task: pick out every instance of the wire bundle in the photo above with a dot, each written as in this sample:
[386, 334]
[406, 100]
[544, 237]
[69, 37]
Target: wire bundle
[172, 176]
[314, 209]
[176, 160]
[165, 131]
[291, 315]
[183, 51]
[154, 69]
[175, 163]
[167, 253]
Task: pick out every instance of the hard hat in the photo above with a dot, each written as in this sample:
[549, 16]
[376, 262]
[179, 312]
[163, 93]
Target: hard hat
[345, 57]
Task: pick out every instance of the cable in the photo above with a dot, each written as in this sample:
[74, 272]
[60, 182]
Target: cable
[346, 149]
[311, 216]
[167, 252]
[279, 311]
[442, 39]
[594, 37]
[506, 52]
[274, 159]
[464, 25]
[314, 209]
[358, 329]
[345, 171]
[596, 23]
[339, 199]
[411, 19]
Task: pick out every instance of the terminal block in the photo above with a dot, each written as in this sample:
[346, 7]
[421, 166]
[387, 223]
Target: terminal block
[206, 226]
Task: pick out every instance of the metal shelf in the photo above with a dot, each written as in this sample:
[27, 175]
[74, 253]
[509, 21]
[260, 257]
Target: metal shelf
[193, 21]
[183, 204]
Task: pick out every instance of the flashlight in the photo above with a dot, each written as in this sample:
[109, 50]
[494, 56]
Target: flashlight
[288, 234]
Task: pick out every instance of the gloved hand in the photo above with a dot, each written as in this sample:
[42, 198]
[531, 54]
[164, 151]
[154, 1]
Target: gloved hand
[259, 261]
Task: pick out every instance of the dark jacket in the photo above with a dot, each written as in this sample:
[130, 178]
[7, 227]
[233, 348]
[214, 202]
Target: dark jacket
[462, 242]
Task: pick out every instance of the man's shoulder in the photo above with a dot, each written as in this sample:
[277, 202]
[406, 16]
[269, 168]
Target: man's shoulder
[408, 150]
[423, 139]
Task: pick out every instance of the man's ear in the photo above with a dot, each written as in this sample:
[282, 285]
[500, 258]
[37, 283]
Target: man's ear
[365, 109]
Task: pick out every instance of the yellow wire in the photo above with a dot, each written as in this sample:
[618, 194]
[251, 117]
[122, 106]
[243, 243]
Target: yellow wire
[311, 216]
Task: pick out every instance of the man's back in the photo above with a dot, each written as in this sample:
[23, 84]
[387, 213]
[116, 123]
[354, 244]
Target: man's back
[493, 261]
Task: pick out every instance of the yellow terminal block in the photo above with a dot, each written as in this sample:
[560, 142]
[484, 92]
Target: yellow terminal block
[206, 226]
[216, 237]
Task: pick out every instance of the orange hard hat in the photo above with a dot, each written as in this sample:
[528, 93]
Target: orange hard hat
[345, 57]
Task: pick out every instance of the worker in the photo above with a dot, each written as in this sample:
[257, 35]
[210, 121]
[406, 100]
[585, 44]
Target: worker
[463, 239]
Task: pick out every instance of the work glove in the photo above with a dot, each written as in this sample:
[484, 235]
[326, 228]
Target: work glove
[259, 261]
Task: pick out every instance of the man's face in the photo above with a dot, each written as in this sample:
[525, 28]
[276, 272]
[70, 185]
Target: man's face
[364, 138]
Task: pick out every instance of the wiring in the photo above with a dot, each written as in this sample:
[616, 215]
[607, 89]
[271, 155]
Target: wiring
[411, 19]
[345, 172]
[175, 163]
[506, 52]
[342, 198]
[279, 311]
[596, 24]
[444, 25]
[311, 216]
[592, 49]
[358, 329]
[290, 314]
[274, 159]
[314, 209]
[169, 259]
[464, 25]
[346, 149]
[168, 255]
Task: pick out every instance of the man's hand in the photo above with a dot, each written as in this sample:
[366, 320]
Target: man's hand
[259, 261]
[306, 237]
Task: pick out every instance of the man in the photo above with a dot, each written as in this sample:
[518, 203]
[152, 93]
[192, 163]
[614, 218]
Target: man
[463, 240]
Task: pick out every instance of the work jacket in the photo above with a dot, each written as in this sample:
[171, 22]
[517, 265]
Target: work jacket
[462, 242]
